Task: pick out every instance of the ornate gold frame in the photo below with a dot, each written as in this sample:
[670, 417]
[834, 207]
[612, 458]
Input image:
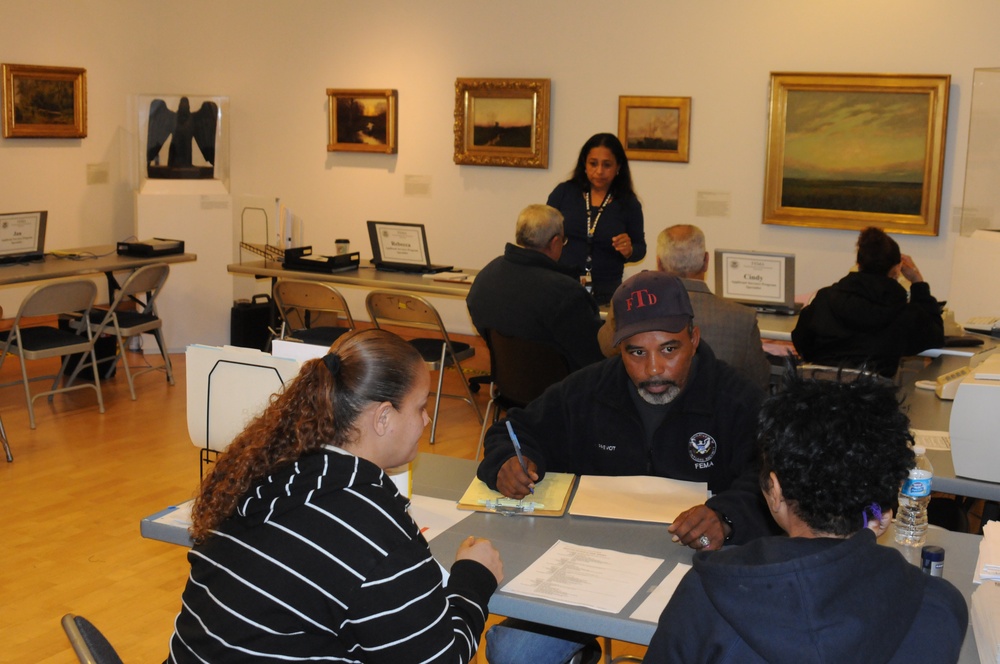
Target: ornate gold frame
[15, 128]
[467, 151]
[848, 103]
[386, 147]
[682, 105]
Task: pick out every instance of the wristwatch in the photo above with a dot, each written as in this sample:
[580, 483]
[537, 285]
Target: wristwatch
[725, 519]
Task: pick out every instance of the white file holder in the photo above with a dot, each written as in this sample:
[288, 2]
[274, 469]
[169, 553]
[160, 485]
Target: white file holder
[226, 387]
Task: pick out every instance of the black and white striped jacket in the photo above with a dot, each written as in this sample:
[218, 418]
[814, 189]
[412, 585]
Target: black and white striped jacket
[322, 563]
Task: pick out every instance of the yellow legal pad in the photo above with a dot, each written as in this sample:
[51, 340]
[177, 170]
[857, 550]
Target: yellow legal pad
[550, 498]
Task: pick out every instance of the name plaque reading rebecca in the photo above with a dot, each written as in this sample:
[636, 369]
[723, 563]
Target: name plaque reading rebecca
[747, 276]
[401, 244]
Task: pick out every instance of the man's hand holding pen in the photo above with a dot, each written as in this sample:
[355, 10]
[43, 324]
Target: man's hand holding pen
[515, 481]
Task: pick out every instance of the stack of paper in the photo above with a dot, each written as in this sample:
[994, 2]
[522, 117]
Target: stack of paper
[988, 565]
[986, 621]
[636, 498]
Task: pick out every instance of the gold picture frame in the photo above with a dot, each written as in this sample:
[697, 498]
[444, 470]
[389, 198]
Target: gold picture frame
[502, 122]
[44, 102]
[362, 121]
[655, 128]
[851, 151]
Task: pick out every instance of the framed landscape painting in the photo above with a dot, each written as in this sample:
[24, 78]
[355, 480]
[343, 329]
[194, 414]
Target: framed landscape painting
[655, 128]
[856, 150]
[44, 102]
[362, 121]
[502, 122]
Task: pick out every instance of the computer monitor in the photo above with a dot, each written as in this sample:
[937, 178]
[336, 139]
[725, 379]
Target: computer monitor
[22, 236]
[763, 280]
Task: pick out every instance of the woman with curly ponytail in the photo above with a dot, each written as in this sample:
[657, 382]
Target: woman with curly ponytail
[304, 548]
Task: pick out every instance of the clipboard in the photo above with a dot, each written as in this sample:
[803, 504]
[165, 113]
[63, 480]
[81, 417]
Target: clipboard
[550, 498]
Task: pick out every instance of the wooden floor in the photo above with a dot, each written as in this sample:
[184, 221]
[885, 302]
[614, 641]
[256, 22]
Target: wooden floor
[77, 489]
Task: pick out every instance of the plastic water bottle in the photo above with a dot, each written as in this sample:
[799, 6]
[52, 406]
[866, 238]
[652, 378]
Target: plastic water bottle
[914, 495]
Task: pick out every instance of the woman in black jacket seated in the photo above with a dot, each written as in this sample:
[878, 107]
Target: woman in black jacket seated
[833, 457]
[865, 318]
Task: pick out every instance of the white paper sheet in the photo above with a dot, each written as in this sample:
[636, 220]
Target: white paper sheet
[179, 515]
[988, 563]
[636, 498]
[653, 606]
[435, 515]
[599, 579]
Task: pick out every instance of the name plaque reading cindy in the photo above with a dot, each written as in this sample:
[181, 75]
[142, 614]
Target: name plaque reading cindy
[754, 277]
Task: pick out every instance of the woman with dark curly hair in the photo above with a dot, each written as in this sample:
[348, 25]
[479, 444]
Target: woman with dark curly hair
[833, 456]
[602, 215]
[304, 549]
[867, 318]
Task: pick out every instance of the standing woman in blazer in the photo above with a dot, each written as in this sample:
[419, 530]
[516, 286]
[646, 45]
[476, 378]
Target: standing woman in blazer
[602, 216]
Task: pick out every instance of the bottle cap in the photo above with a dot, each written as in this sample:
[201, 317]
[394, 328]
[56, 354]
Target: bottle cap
[919, 450]
[934, 554]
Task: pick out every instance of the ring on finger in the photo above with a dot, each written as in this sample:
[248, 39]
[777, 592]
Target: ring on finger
[704, 541]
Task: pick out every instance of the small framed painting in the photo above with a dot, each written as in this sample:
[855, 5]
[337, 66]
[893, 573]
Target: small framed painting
[44, 102]
[502, 122]
[362, 121]
[655, 128]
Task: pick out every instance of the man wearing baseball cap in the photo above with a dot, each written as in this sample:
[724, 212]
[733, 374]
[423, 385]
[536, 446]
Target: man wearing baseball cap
[665, 407]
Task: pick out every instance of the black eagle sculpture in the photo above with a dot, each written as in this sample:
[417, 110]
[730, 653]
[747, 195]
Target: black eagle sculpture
[184, 126]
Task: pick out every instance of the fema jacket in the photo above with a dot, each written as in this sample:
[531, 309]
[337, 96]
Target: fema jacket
[588, 424]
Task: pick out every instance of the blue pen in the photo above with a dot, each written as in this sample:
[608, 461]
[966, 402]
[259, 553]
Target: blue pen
[517, 450]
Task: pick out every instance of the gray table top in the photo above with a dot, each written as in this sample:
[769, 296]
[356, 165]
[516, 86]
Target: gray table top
[81, 262]
[364, 276]
[522, 539]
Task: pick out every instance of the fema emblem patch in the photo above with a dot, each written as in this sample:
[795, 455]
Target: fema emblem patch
[702, 448]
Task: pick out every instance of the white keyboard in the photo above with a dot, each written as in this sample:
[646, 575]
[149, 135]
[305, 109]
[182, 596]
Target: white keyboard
[982, 323]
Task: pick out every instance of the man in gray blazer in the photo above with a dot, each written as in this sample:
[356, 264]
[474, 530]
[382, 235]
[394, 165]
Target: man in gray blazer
[729, 328]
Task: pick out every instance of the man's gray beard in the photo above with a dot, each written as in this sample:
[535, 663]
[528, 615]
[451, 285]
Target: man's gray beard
[660, 399]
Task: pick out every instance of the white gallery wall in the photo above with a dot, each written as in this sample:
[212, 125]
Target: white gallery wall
[274, 60]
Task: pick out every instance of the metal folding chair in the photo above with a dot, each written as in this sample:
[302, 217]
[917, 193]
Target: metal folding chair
[89, 644]
[40, 342]
[311, 311]
[3, 434]
[140, 289]
[405, 310]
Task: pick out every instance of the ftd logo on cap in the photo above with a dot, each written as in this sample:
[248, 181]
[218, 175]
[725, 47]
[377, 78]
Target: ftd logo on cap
[640, 298]
[648, 302]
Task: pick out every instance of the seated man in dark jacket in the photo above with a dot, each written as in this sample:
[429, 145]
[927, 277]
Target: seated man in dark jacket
[865, 319]
[834, 455]
[665, 406]
[527, 294]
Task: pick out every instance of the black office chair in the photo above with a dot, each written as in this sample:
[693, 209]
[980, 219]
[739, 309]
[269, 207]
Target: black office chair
[90, 646]
[520, 371]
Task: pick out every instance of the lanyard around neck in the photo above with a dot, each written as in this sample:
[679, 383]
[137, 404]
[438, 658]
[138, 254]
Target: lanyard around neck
[592, 223]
